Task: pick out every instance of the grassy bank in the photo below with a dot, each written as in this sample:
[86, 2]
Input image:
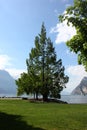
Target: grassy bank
[22, 115]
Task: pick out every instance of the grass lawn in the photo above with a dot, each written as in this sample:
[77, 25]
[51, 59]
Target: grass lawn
[22, 115]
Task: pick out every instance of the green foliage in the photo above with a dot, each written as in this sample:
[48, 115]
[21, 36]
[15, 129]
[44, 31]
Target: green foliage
[77, 15]
[45, 73]
[24, 84]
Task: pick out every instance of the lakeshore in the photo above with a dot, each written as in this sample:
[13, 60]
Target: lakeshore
[70, 99]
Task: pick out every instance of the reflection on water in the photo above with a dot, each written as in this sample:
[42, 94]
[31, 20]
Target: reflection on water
[74, 98]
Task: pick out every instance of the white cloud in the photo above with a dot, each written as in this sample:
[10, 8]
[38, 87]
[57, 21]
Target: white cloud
[15, 73]
[5, 64]
[64, 32]
[77, 70]
[76, 74]
[4, 61]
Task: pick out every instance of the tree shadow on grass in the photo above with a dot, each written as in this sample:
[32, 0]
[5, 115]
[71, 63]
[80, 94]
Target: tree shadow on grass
[14, 122]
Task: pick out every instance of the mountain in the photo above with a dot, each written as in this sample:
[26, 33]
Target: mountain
[7, 84]
[81, 89]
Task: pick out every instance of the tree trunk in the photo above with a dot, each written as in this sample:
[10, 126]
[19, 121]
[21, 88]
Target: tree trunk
[45, 97]
[36, 95]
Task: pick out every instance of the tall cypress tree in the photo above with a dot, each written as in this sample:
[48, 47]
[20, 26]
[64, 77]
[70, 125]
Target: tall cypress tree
[46, 73]
[50, 72]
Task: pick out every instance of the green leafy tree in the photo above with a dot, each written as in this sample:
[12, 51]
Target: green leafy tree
[77, 15]
[24, 84]
[49, 72]
[33, 71]
[44, 72]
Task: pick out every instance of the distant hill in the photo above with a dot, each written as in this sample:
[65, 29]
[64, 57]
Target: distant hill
[7, 84]
[81, 89]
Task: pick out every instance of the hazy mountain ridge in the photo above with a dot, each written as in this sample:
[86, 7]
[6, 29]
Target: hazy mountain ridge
[7, 83]
[81, 89]
[8, 86]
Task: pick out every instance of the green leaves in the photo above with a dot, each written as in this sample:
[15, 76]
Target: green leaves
[24, 84]
[45, 74]
[77, 15]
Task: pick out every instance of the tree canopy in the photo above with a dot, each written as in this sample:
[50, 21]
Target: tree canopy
[45, 74]
[77, 15]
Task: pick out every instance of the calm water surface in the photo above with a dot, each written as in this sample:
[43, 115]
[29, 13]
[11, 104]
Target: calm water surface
[74, 98]
[68, 98]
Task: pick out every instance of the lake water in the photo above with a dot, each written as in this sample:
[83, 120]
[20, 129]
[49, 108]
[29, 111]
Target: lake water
[74, 99]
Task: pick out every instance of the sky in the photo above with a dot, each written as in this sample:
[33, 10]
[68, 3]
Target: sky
[20, 22]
